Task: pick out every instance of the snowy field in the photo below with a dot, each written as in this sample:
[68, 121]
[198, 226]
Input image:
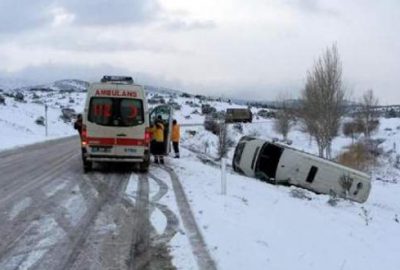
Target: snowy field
[17, 119]
[256, 225]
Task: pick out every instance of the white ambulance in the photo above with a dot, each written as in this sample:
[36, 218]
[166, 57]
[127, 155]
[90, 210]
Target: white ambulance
[115, 123]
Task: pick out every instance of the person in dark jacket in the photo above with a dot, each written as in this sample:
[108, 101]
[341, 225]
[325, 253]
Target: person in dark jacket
[78, 124]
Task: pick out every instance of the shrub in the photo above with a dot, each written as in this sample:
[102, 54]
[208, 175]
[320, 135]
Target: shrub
[212, 125]
[357, 126]
[358, 156]
[207, 109]
[40, 121]
[185, 95]
[238, 127]
[19, 97]
[2, 100]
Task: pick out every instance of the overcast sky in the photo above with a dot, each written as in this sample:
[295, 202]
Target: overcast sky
[252, 49]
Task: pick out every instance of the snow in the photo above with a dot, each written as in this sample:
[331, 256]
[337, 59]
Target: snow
[19, 207]
[17, 121]
[260, 226]
[256, 225]
[34, 243]
[131, 189]
[75, 206]
[54, 188]
[180, 246]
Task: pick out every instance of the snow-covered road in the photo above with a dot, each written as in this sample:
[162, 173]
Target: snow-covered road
[55, 217]
[52, 216]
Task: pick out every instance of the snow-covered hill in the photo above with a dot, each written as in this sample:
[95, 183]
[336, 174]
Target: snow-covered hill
[256, 225]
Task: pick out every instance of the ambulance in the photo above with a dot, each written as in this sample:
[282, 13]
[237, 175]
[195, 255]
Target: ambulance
[116, 123]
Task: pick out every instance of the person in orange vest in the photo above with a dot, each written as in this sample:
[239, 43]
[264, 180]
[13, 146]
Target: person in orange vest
[157, 144]
[175, 136]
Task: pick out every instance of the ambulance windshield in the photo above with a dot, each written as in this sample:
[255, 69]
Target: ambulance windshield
[124, 112]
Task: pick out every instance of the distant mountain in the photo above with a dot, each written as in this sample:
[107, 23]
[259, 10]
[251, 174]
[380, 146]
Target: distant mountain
[70, 85]
[11, 83]
[75, 85]
[162, 90]
[61, 86]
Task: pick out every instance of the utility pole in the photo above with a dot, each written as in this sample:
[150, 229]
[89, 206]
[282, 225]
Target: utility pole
[45, 116]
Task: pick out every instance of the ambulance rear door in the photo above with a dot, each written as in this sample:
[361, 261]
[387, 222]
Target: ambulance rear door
[166, 112]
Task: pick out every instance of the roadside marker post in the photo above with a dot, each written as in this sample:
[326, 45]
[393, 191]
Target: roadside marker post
[45, 115]
[223, 176]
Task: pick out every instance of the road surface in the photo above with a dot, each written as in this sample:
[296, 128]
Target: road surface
[52, 216]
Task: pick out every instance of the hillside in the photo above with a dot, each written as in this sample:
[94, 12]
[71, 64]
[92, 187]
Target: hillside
[256, 225]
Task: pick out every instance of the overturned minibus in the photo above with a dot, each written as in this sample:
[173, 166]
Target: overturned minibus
[280, 164]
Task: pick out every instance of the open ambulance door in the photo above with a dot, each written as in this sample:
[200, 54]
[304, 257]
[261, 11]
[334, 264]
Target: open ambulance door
[166, 113]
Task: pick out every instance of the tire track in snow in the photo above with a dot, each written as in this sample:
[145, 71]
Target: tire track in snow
[42, 178]
[140, 251]
[149, 250]
[172, 220]
[115, 187]
[14, 229]
[199, 247]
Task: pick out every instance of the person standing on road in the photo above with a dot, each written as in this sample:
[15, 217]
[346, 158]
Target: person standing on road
[78, 124]
[175, 136]
[158, 140]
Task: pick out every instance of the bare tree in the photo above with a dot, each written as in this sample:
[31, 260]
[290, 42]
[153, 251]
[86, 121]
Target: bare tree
[283, 120]
[368, 114]
[323, 100]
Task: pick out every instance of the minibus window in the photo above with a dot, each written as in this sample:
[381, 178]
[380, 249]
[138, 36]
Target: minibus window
[116, 111]
[311, 174]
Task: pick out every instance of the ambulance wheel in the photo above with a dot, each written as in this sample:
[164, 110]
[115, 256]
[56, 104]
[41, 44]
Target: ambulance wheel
[144, 166]
[87, 166]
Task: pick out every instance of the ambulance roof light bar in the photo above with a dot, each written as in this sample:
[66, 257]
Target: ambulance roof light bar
[117, 79]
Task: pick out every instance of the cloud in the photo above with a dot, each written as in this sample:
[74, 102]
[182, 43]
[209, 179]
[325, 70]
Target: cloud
[51, 72]
[313, 7]
[181, 25]
[20, 15]
[89, 41]
[23, 15]
[110, 12]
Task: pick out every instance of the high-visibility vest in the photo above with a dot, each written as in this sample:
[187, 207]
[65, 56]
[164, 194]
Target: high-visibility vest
[158, 132]
[175, 134]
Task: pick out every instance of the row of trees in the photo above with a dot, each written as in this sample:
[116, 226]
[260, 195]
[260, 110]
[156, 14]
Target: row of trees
[323, 104]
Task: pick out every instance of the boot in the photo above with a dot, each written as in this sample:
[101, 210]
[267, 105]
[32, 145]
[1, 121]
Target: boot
[162, 160]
